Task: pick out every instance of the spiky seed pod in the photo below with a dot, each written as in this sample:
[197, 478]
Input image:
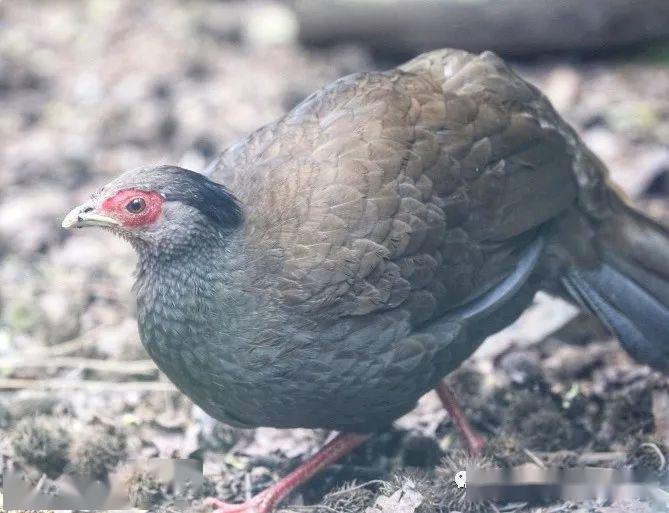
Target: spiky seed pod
[439, 491]
[454, 498]
[41, 442]
[99, 450]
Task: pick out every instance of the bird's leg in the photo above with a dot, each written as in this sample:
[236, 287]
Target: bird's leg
[266, 500]
[470, 438]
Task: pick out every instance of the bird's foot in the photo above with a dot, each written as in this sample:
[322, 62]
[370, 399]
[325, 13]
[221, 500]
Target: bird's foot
[265, 501]
[260, 503]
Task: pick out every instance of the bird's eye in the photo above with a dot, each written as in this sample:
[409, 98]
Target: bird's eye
[136, 205]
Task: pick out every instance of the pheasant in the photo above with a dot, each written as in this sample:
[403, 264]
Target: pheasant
[333, 266]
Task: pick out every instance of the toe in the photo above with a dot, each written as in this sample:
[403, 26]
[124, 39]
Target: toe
[255, 505]
[224, 507]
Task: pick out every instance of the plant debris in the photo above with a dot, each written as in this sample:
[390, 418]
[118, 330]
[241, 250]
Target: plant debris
[42, 443]
[99, 450]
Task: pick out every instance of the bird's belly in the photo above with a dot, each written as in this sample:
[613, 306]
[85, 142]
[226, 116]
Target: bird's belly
[313, 395]
[357, 379]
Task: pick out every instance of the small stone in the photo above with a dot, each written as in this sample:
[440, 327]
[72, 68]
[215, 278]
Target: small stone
[522, 367]
[270, 24]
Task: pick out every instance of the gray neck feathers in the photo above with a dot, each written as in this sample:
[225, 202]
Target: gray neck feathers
[196, 272]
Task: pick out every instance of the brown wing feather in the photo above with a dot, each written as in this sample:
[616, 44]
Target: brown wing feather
[414, 187]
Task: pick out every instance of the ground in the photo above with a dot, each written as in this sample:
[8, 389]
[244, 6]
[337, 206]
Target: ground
[88, 89]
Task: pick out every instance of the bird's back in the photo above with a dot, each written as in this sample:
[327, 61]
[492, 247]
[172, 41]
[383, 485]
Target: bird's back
[414, 188]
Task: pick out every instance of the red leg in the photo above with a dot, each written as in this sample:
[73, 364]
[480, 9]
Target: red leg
[265, 501]
[471, 439]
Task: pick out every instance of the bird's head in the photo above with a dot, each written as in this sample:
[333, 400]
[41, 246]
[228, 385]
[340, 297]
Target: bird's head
[160, 206]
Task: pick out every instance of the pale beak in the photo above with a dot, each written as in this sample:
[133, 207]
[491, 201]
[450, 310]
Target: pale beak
[86, 215]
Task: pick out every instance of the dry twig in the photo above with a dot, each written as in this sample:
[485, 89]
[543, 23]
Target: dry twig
[120, 367]
[91, 386]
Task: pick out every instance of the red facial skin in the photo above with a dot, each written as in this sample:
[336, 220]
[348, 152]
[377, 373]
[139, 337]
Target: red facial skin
[116, 207]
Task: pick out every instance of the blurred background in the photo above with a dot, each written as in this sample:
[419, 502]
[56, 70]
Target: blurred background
[92, 88]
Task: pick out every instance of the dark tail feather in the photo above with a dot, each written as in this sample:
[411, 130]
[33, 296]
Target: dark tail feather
[629, 289]
[638, 319]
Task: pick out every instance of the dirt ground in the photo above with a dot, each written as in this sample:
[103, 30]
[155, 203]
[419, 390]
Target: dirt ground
[89, 89]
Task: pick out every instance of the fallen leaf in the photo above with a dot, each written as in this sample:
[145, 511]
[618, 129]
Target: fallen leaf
[404, 500]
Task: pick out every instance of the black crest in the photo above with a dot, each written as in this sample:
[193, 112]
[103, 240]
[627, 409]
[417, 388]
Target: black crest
[212, 199]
